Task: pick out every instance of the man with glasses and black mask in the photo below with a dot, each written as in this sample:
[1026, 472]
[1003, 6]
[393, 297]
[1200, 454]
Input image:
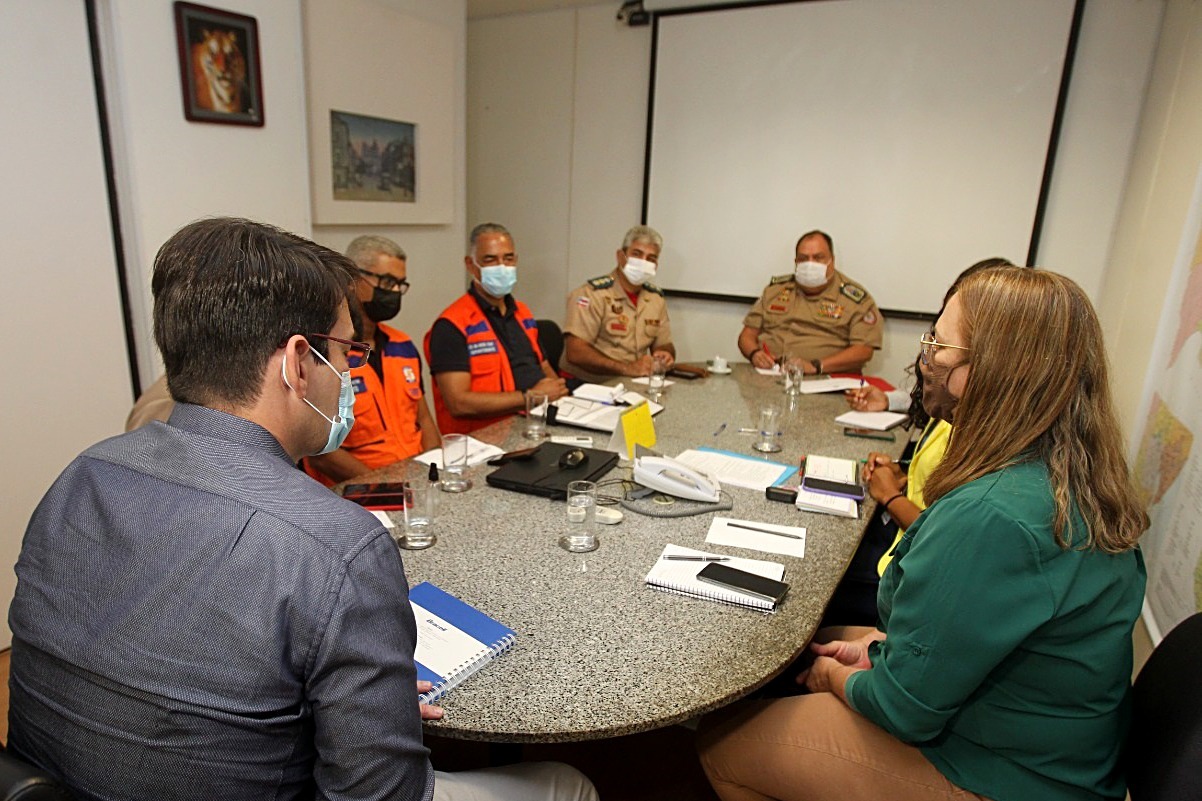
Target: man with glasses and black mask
[483, 349]
[197, 619]
[392, 418]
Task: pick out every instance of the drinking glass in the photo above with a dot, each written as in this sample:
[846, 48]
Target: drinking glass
[655, 381]
[769, 438]
[793, 373]
[581, 536]
[417, 526]
[454, 463]
[536, 415]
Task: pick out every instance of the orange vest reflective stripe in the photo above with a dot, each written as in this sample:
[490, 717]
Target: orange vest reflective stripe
[386, 427]
[487, 359]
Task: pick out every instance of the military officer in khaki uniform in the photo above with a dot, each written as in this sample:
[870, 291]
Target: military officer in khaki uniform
[618, 324]
[815, 316]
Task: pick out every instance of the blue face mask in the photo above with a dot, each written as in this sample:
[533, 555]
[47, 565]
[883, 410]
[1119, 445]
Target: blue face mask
[498, 280]
[340, 425]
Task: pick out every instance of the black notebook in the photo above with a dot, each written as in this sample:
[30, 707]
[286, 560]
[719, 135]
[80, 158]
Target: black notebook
[542, 474]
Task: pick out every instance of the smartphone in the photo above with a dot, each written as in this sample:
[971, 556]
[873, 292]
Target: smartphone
[869, 433]
[828, 487]
[741, 580]
[385, 495]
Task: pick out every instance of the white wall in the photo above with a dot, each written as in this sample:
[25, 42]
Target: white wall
[66, 382]
[172, 171]
[435, 263]
[528, 101]
[60, 305]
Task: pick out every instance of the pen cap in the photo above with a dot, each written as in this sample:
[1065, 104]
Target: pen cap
[433, 474]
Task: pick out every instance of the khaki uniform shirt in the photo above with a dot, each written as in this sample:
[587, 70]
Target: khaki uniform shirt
[600, 313]
[793, 324]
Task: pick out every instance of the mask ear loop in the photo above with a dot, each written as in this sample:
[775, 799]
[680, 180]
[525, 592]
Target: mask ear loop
[336, 419]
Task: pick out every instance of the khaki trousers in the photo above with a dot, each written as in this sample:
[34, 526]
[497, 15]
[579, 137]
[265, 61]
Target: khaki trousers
[814, 748]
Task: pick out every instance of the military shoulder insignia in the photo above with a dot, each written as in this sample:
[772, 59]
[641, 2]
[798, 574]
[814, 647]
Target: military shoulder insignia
[852, 291]
[781, 279]
[650, 287]
[602, 282]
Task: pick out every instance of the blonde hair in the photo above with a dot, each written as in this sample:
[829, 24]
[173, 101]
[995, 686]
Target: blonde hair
[1038, 389]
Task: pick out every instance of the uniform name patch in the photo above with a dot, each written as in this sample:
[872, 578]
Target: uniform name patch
[482, 348]
[359, 384]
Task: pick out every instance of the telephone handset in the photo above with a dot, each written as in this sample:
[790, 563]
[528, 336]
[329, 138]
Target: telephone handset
[674, 478]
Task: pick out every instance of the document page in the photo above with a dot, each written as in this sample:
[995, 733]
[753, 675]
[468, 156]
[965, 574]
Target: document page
[736, 470]
[441, 647]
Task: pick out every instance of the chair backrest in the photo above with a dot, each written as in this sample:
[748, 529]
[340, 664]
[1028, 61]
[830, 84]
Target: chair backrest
[1164, 748]
[550, 340]
[20, 781]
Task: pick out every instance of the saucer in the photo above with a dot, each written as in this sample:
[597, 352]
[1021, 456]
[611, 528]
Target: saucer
[716, 371]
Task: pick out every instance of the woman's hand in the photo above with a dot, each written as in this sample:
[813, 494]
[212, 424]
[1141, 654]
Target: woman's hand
[866, 399]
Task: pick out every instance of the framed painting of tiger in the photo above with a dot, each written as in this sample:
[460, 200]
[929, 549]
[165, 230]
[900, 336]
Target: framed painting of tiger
[219, 65]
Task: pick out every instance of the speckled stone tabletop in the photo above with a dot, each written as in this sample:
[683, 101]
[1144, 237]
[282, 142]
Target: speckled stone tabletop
[599, 653]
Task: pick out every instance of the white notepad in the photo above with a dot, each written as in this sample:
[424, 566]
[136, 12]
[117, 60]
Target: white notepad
[681, 577]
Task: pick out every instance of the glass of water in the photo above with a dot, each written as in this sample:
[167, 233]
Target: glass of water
[536, 415]
[657, 380]
[454, 463]
[581, 536]
[793, 373]
[417, 526]
[769, 438]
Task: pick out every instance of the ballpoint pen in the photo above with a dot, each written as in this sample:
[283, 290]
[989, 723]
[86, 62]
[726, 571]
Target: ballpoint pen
[721, 428]
[682, 558]
[764, 531]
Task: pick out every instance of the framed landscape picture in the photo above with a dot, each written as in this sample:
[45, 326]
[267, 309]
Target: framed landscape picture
[372, 159]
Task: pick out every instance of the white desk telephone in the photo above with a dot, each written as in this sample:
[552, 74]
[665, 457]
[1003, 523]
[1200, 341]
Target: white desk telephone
[674, 478]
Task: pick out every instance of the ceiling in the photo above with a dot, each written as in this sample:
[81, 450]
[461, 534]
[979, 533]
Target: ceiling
[495, 8]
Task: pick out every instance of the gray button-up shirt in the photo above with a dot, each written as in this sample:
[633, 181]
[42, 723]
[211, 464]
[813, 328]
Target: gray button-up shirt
[195, 618]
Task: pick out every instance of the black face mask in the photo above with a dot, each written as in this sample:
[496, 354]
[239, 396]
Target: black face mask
[937, 399]
[384, 305]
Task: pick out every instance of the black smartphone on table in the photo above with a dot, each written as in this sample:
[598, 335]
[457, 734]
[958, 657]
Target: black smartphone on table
[828, 487]
[742, 581]
[384, 495]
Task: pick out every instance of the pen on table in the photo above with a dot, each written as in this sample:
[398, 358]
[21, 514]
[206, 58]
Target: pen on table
[764, 531]
[749, 431]
[721, 428]
[682, 558]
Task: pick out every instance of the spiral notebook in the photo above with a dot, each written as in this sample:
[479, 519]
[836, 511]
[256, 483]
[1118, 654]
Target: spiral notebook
[680, 577]
[454, 639]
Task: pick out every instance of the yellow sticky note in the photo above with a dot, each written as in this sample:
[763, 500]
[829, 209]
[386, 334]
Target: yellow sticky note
[637, 428]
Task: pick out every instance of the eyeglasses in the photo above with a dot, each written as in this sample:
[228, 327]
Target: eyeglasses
[356, 352]
[930, 345]
[385, 282]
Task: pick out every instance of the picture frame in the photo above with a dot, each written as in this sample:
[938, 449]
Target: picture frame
[393, 73]
[220, 76]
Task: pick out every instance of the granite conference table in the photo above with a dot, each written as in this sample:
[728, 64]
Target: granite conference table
[598, 652]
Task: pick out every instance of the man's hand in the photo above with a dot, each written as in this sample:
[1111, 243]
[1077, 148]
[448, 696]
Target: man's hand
[762, 360]
[665, 358]
[640, 366]
[553, 388]
[867, 399]
[429, 711]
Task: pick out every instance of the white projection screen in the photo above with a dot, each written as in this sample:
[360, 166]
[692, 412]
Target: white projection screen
[914, 132]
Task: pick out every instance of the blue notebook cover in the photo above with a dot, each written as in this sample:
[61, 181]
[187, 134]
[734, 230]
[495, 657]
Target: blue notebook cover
[434, 609]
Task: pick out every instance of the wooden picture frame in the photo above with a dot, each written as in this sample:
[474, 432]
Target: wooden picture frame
[220, 76]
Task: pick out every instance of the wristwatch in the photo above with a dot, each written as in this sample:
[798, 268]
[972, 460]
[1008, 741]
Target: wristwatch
[817, 365]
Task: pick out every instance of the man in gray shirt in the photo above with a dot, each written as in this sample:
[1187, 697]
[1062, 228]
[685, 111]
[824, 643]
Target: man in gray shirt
[195, 618]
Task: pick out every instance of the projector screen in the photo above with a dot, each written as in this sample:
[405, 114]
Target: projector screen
[915, 133]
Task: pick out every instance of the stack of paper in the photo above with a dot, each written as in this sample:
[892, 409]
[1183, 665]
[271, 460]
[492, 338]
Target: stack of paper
[598, 407]
[875, 421]
[838, 505]
[477, 453]
[681, 577]
[736, 469]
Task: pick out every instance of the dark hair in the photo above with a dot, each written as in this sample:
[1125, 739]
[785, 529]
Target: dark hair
[227, 293]
[830, 243]
[918, 415]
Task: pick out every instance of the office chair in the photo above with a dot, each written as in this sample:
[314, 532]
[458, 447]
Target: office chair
[20, 781]
[1164, 747]
[550, 341]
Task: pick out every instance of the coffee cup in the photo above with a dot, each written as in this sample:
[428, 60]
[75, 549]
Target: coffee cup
[718, 363]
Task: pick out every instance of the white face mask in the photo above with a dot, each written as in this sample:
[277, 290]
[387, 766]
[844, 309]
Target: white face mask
[340, 424]
[810, 273]
[637, 271]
